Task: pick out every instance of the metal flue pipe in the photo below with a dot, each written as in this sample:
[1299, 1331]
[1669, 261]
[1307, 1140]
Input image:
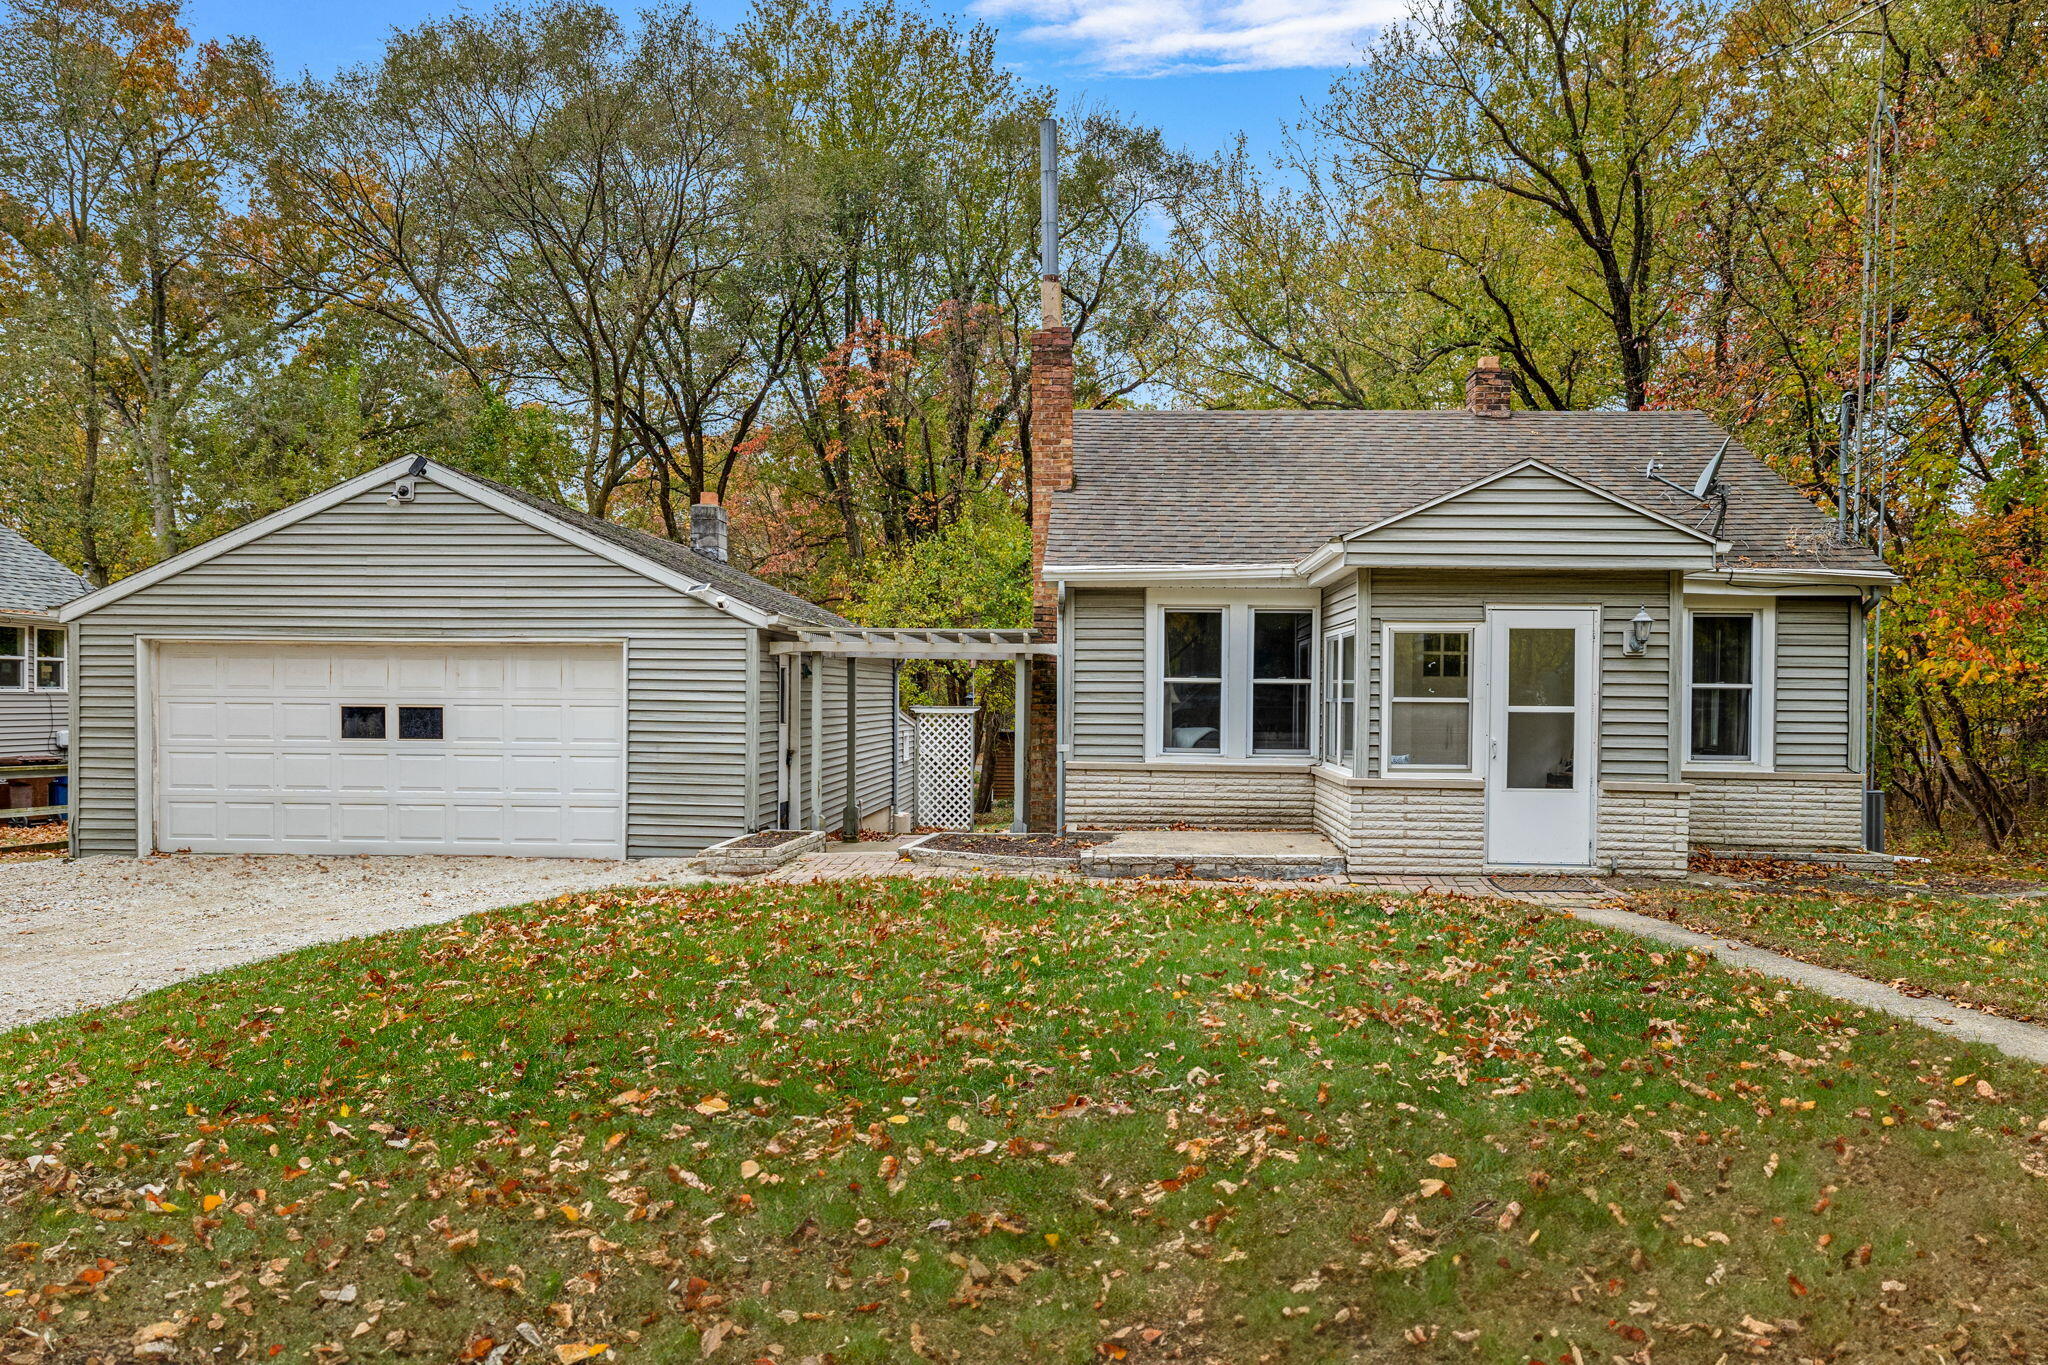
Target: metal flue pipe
[1049, 221]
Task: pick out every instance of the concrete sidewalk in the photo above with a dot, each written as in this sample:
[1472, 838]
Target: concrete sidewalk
[2028, 1042]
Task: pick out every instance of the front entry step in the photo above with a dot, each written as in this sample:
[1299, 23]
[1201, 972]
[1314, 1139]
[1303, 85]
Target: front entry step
[1215, 855]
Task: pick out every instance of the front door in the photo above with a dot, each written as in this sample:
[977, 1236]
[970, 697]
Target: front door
[1540, 752]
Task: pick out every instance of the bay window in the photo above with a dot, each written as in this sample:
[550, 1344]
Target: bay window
[1723, 709]
[1429, 699]
[1235, 680]
[31, 658]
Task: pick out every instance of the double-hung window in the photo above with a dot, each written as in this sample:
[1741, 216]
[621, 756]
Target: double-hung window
[1429, 699]
[1191, 714]
[1235, 680]
[1724, 708]
[1283, 667]
[31, 659]
[1340, 698]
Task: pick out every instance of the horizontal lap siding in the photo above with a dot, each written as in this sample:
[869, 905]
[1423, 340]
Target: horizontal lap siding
[1812, 683]
[1635, 717]
[29, 722]
[1536, 520]
[1340, 604]
[875, 693]
[1108, 634]
[440, 569]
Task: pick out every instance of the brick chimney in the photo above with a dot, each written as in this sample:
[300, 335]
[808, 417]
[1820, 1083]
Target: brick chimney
[1489, 392]
[708, 527]
[1052, 471]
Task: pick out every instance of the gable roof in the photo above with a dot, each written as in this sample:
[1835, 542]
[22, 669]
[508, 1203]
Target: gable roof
[681, 558]
[674, 566]
[1265, 488]
[1539, 467]
[32, 581]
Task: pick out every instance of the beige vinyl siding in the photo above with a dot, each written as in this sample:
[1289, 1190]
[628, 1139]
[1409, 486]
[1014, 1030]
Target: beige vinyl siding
[1107, 631]
[1634, 693]
[1812, 684]
[1340, 604]
[874, 694]
[442, 568]
[29, 722]
[1534, 520]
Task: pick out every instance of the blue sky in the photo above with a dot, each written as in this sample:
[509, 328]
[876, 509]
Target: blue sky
[1203, 70]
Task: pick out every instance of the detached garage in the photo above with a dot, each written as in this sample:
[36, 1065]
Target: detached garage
[424, 661]
[389, 748]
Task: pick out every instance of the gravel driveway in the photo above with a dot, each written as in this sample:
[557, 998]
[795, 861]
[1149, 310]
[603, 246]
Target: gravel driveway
[98, 930]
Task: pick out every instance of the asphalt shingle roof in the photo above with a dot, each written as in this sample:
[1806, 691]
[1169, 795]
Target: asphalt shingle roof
[32, 581]
[680, 558]
[1259, 487]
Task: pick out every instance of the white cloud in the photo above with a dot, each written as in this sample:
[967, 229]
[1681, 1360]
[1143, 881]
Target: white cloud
[1159, 37]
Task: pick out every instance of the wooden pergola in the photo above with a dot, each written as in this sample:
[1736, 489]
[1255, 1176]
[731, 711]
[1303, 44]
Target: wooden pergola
[854, 643]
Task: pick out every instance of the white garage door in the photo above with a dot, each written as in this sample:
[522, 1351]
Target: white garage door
[373, 748]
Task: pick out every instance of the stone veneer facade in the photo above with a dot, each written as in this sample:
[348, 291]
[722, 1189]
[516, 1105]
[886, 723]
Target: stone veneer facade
[1643, 828]
[1156, 796]
[1778, 812]
[1437, 826]
[1419, 825]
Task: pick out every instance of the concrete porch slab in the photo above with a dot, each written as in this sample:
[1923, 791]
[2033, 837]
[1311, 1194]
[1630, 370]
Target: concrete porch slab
[1216, 854]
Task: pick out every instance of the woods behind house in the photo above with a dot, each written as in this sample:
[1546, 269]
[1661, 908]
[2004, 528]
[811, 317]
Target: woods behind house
[626, 262]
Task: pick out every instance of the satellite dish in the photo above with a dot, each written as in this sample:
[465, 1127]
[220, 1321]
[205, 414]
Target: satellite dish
[1706, 486]
[1704, 489]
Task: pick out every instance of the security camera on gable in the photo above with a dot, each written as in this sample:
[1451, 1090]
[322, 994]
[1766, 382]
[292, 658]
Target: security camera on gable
[404, 491]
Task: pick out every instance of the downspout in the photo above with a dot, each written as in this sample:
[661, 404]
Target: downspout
[895, 741]
[849, 814]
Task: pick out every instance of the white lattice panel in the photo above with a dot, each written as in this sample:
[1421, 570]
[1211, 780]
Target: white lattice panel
[945, 766]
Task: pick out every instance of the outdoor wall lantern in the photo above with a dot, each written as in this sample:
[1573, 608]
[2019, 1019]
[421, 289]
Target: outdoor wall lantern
[1637, 641]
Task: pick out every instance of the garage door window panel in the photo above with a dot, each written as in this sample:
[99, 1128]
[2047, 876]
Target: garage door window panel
[362, 722]
[419, 722]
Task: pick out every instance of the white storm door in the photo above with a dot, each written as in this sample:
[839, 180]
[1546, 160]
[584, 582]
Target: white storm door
[1540, 776]
[375, 747]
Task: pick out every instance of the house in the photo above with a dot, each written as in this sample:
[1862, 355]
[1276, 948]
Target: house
[35, 682]
[1451, 641]
[419, 660]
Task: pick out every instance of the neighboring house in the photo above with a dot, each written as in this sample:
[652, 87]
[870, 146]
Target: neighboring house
[1450, 641]
[424, 661]
[35, 674]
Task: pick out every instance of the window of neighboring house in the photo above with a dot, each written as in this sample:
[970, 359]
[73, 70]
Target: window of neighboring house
[1429, 699]
[1283, 673]
[49, 660]
[31, 659]
[1723, 684]
[1191, 704]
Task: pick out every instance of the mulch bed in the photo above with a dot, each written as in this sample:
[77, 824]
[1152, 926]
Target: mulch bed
[768, 838]
[1018, 845]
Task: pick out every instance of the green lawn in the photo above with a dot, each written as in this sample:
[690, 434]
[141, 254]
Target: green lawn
[1978, 950]
[996, 1121]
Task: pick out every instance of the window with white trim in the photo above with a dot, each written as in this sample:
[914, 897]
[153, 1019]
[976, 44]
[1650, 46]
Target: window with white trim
[1428, 706]
[1233, 679]
[1191, 703]
[31, 659]
[1283, 676]
[1340, 698]
[1722, 705]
